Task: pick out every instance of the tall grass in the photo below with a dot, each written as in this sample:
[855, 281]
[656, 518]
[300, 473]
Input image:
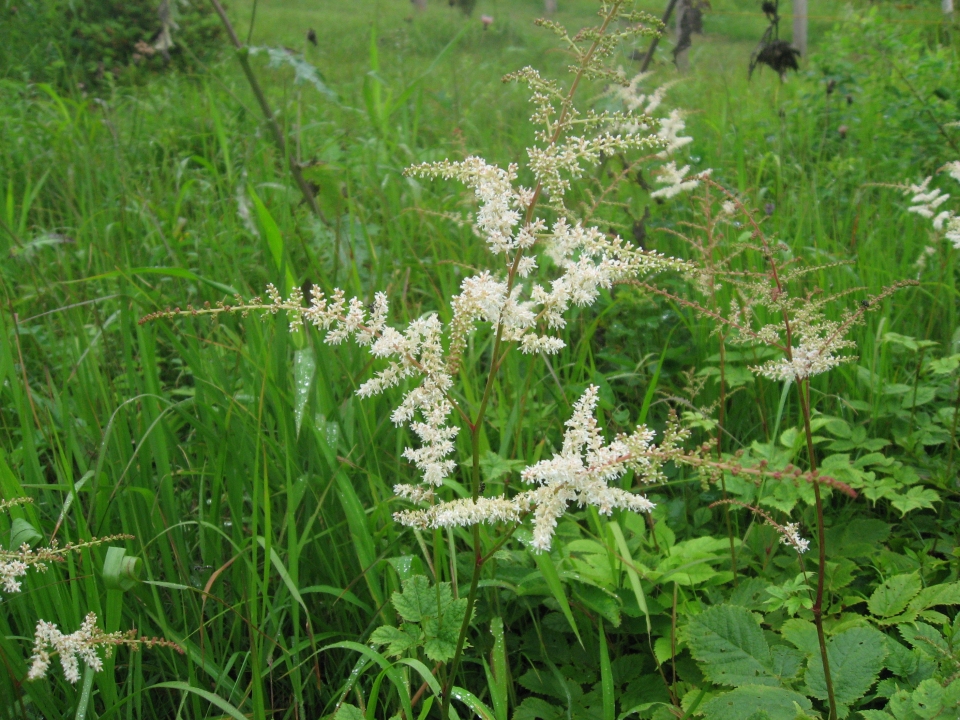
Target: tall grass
[265, 537]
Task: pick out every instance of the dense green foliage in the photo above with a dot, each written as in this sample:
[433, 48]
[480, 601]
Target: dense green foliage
[259, 486]
[88, 41]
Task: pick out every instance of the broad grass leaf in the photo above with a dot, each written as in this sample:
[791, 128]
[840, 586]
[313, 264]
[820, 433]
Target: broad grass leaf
[473, 702]
[856, 658]
[756, 701]
[304, 368]
[893, 596]
[23, 533]
[549, 573]
[729, 645]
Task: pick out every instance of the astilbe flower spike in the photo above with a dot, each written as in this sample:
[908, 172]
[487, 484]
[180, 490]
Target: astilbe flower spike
[83, 644]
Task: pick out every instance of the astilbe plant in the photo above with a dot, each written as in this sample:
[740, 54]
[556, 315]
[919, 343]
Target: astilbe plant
[83, 644]
[772, 306]
[547, 259]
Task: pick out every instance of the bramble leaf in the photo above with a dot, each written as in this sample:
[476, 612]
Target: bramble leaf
[443, 630]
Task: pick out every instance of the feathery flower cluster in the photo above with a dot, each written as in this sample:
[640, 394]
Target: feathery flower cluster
[82, 645]
[579, 474]
[790, 535]
[806, 360]
[926, 203]
[669, 133]
[588, 261]
[676, 180]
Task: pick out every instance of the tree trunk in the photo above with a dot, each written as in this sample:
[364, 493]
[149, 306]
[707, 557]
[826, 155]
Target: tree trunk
[947, 6]
[800, 25]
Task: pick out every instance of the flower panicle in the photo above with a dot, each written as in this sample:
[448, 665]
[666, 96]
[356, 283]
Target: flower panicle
[84, 644]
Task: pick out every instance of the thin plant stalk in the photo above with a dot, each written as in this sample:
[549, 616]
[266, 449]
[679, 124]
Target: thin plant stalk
[803, 390]
[243, 55]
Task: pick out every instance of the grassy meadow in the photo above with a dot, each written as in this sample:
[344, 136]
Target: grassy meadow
[257, 485]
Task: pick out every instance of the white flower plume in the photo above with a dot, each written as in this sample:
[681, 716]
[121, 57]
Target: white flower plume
[579, 474]
[675, 180]
[790, 535]
[81, 644]
[807, 360]
[926, 203]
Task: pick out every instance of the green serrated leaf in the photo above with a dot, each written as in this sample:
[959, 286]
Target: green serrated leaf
[536, 709]
[916, 498]
[398, 641]
[417, 600]
[893, 596]
[856, 658]
[946, 594]
[729, 644]
[443, 630]
[924, 638]
[349, 712]
[786, 661]
[803, 635]
[598, 600]
[928, 699]
[752, 701]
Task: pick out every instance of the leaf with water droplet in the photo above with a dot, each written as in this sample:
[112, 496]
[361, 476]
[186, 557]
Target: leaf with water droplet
[304, 367]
